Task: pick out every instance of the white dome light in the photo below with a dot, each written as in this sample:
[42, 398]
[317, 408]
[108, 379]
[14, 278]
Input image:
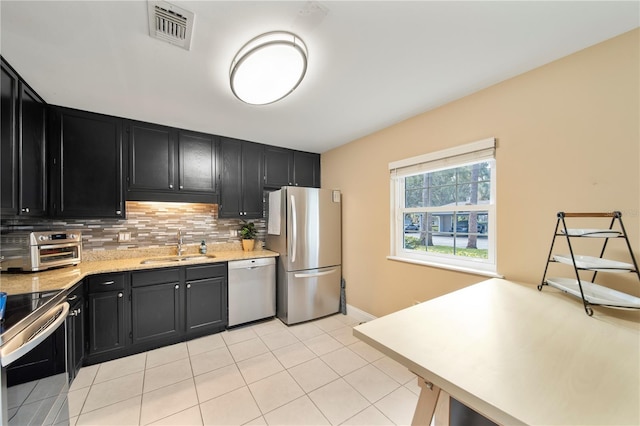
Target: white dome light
[268, 68]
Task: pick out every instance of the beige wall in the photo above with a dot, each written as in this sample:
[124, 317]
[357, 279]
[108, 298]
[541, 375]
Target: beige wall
[568, 140]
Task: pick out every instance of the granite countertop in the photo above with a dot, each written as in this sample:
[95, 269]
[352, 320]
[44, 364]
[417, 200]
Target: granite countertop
[67, 277]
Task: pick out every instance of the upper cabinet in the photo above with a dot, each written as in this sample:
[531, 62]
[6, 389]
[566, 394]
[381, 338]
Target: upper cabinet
[86, 165]
[285, 167]
[167, 164]
[306, 169]
[23, 137]
[241, 179]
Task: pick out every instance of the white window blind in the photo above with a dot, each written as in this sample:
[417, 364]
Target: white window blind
[468, 153]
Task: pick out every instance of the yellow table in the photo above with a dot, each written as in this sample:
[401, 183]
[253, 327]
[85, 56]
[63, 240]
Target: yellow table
[517, 355]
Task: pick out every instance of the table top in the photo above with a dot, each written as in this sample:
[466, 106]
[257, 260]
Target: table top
[518, 355]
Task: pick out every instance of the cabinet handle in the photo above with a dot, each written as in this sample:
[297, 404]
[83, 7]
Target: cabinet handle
[177, 286]
[181, 187]
[188, 285]
[118, 211]
[25, 209]
[72, 298]
[108, 283]
[119, 294]
[170, 186]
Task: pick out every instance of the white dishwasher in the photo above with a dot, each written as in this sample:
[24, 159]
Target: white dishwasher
[252, 290]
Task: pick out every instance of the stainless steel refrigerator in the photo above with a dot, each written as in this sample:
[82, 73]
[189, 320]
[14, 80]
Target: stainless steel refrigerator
[305, 227]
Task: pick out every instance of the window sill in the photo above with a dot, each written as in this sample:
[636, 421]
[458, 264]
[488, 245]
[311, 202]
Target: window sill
[448, 267]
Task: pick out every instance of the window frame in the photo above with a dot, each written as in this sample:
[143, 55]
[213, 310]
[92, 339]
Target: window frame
[480, 151]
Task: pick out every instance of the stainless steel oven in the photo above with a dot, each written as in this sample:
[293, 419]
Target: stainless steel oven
[41, 250]
[31, 322]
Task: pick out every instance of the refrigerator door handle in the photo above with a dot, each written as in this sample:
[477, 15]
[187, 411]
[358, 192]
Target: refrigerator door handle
[294, 230]
[314, 274]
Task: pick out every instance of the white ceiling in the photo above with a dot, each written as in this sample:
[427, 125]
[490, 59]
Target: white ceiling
[371, 63]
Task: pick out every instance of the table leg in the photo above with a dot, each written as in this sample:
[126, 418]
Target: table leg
[426, 403]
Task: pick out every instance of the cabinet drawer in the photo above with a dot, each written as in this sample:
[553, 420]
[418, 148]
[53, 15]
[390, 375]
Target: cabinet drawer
[106, 282]
[156, 276]
[206, 271]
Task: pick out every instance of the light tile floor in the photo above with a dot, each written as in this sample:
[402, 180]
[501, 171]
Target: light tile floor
[314, 373]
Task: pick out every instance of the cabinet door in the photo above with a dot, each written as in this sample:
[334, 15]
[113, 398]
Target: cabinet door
[206, 305]
[306, 170]
[230, 179]
[88, 165]
[31, 135]
[107, 322]
[252, 181]
[278, 167]
[75, 337]
[8, 153]
[151, 157]
[197, 161]
[155, 312]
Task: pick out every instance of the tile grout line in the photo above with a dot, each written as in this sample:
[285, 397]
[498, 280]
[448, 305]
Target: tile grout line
[260, 336]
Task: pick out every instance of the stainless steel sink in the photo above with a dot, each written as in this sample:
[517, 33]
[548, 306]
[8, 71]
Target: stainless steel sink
[176, 259]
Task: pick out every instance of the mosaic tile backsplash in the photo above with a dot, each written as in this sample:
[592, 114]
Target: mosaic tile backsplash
[151, 225]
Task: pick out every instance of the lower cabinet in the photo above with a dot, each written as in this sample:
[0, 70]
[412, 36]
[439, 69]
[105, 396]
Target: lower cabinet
[132, 312]
[206, 299]
[75, 331]
[108, 318]
[155, 305]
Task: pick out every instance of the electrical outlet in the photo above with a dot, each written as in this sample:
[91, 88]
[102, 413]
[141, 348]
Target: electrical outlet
[233, 232]
[124, 237]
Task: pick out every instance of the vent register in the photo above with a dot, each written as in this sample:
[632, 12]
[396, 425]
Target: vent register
[170, 23]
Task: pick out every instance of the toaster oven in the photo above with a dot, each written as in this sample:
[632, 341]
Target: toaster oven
[39, 250]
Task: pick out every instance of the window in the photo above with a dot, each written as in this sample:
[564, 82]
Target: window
[443, 208]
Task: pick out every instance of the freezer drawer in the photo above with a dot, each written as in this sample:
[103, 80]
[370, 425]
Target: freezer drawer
[310, 294]
[252, 290]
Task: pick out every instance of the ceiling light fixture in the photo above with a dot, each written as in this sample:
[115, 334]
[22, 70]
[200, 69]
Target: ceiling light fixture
[268, 68]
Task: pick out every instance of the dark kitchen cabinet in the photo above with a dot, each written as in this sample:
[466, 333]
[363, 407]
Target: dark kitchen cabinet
[285, 167]
[197, 162]
[137, 311]
[108, 318]
[278, 167]
[241, 179]
[9, 151]
[23, 190]
[75, 324]
[86, 163]
[306, 169]
[31, 135]
[206, 299]
[167, 164]
[151, 157]
[156, 306]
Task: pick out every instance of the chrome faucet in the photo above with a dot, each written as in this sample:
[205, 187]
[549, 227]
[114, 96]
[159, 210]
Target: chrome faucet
[180, 250]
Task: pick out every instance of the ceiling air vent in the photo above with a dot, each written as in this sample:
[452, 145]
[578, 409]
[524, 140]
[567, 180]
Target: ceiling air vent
[170, 23]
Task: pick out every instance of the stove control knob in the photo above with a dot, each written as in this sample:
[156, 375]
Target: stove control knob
[72, 236]
[42, 237]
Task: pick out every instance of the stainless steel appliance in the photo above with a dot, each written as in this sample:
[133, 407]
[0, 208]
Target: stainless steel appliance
[304, 227]
[252, 290]
[40, 250]
[30, 319]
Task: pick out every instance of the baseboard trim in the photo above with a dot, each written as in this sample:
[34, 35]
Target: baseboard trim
[359, 314]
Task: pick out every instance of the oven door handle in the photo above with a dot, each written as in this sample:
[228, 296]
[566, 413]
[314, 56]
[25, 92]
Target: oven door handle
[34, 334]
[55, 246]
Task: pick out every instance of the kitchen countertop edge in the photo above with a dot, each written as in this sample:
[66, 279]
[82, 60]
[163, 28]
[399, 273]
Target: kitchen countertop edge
[65, 278]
